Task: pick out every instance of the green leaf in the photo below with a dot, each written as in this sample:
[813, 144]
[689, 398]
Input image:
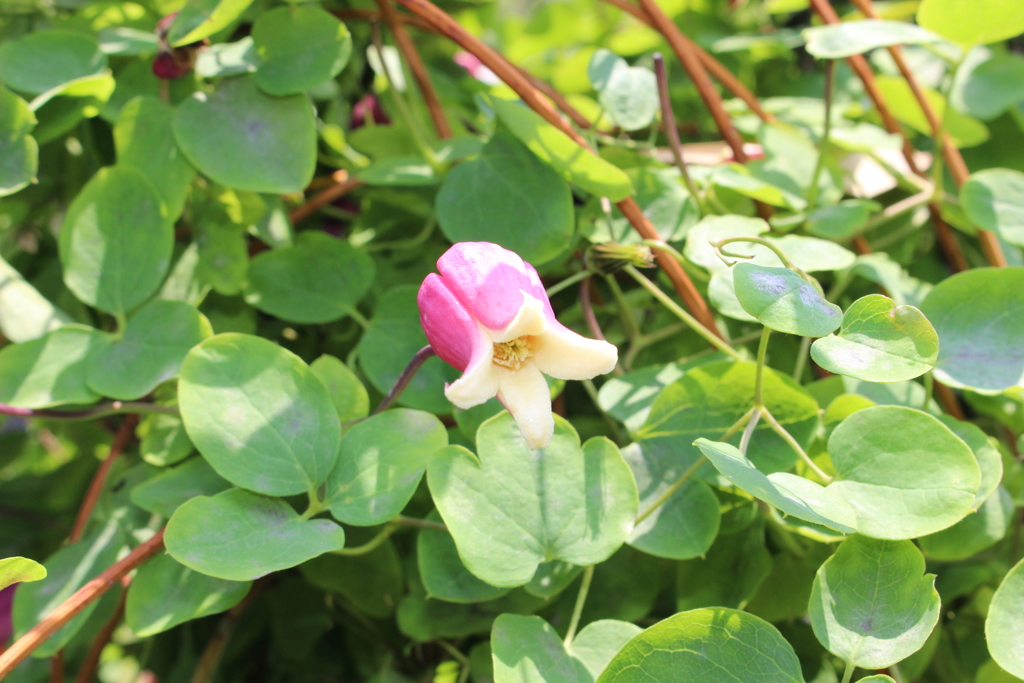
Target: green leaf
[972, 22]
[871, 604]
[527, 650]
[979, 315]
[223, 256]
[709, 399]
[240, 536]
[150, 351]
[628, 397]
[686, 523]
[510, 197]
[841, 221]
[987, 85]
[994, 200]
[442, 572]
[298, 48]
[742, 556]
[319, 279]
[849, 38]
[43, 60]
[49, 371]
[19, 152]
[1005, 622]
[164, 441]
[972, 534]
[258, 414]
[380, 464]
[579, 166]
[200, 19]
[965, 130]
[784, 301]
[879, 342]
[990, 461]
[706, 645]
[552, 578]
[145, 140]
[406, 171]
[25, 314]
[904, 472]
[67, 570]
[167, 491]
[373, 582]
[715, 229]
[245, 139]
[628, 93]
[116, 240]
[20, 570]
[394, 337]
[513, 508]
[741, 180]
[791, 494]
[165, 593]
[346, 391]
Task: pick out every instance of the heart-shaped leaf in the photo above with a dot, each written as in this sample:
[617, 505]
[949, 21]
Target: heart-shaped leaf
[904, 472]
[628, 94]
[512, 508]
[298, 48]
[241, 536]
[872, 604]
[784, 301]
[527, 650]
[979, 316]
[51, 370]
[879, 342]
[848, 38]
[258, 414]
[706, 645]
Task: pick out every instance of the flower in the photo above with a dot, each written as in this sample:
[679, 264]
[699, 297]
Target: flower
[487, 314]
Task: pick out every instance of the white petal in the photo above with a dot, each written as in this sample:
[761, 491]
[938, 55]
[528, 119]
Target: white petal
[526, 395]
[563, 354]
[479, 382]
[530, 320]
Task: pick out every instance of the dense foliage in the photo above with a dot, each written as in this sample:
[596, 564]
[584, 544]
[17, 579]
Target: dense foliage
[227, 454]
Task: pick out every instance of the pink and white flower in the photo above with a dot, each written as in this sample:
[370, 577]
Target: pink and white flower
[487, 314]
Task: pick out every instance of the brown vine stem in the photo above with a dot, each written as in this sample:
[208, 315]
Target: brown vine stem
[343, 184]
[687, 54]
[68, 609]
[121, 439]
[511, 76]
[87, 672]
[421, 357]
[716, 68]
[101, 410]
[950, 247]
[210, 659]
[416, 65]
[668, 120]
[954, 160]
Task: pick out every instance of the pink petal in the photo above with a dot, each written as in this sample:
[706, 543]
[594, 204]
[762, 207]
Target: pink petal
[489, 281]
[450, 329]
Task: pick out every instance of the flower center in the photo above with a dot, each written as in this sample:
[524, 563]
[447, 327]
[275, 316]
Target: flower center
[512, 354]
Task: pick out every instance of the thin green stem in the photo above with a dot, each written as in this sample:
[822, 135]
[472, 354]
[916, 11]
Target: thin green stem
[896, 674]
[762, 353]
[797, 448]
[848, 673]
[581, 600]
[929, 389]
[613, 424]
[709, 336]
[415, 523]
[404, 110]
[748, 433]
[738, 425]
[625, 310]
[458, 657]
[414, 241]
[359, 318]
[568, 282]
[812, 191]
[315, 506]
[670, 490]
[801, 358]
[370, 545]
[782, 534]
[764, 243]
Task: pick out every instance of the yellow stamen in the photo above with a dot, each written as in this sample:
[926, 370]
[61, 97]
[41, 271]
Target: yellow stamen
[512, 354]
